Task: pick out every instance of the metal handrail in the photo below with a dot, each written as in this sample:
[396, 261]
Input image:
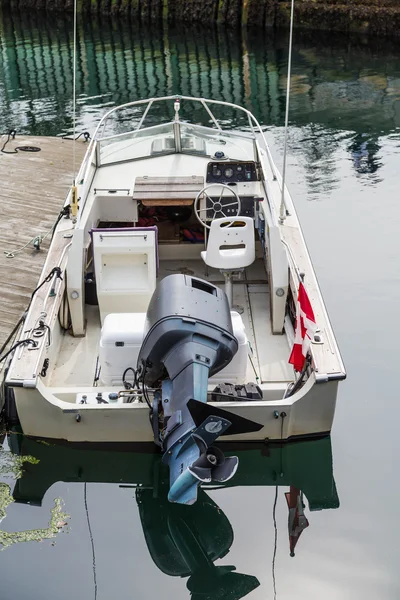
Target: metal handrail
[204, 102]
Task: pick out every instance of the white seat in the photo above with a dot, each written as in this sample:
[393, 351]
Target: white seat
[230, 247]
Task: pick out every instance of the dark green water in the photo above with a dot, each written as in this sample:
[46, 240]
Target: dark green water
[343, 170]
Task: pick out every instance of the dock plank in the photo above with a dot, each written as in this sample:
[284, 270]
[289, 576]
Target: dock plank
[33, 190]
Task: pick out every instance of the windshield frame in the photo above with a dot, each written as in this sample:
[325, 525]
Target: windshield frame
[178, 130]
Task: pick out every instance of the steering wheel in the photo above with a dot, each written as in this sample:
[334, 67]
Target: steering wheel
[216, 206]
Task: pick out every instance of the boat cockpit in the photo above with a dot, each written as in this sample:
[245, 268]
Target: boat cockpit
[177, 198]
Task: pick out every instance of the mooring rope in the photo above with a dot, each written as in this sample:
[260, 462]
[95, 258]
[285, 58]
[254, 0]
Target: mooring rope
[11, 136]
[38, 239]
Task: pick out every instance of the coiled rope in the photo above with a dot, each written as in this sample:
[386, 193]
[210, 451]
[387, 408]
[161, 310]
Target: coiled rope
[11, 136]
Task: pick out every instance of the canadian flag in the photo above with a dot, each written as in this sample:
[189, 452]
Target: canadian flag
[305, 329]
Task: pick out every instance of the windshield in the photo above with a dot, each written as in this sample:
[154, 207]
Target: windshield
[216, 143]
[141, 143]
[160, 139]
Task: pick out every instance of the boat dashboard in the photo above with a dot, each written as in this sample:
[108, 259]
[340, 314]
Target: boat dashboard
[231, 172]
[240, 175]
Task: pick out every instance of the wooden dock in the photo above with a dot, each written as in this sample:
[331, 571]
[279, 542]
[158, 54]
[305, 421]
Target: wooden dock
[33, 189]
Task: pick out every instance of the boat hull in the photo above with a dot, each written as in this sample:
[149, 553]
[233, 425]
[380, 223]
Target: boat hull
[308, 413]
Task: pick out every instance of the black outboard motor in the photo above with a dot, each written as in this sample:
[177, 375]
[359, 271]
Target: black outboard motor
[189, 337]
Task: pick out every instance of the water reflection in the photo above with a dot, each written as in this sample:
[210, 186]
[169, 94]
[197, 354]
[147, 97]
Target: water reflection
[364, 153]
[316, 147]
[333, 93]
[118, 61]
[185, 541]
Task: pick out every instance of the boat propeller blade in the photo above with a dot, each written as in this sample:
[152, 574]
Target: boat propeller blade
[196, 461]
[213, 465]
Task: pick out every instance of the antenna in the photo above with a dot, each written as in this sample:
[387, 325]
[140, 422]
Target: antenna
[74, 91]
[282, 212]
[74, 191]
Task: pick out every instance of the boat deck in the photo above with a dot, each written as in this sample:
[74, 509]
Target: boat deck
[33, 190]
[76, 363]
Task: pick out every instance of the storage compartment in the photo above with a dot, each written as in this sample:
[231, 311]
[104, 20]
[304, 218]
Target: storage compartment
[175, 224]
[120, 342]
[122, 337]
[125, 267]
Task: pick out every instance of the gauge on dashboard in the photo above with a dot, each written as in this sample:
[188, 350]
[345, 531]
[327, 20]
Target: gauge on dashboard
[232, 172]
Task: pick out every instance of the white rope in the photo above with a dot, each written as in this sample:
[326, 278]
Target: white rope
[39, 238]
[74, 92]
[282, 212]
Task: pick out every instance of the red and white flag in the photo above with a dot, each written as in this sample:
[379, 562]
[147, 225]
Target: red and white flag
[297, 521]
[305, 329]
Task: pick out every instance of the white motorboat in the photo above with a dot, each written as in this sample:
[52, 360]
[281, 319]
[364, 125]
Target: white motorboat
[183, 224]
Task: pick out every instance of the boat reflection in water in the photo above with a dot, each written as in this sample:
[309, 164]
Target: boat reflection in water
[186, 541]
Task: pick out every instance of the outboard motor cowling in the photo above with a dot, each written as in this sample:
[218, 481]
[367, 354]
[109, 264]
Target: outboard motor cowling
[192, 313]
